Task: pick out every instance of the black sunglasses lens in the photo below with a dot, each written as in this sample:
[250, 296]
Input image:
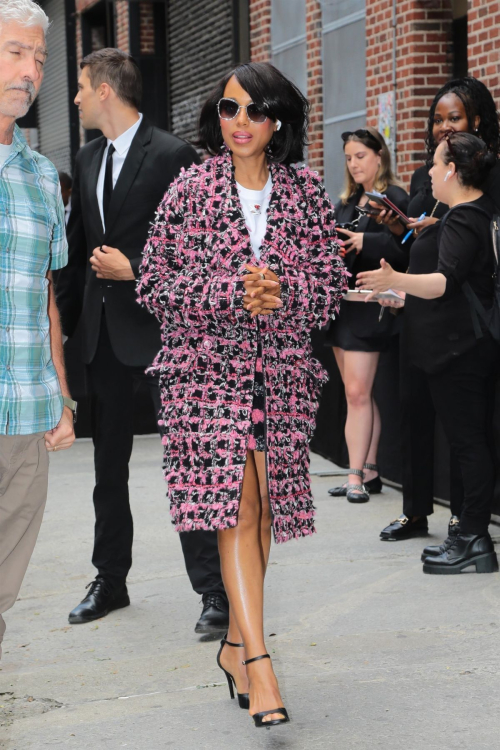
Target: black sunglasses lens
[228, 109]
[255, 114]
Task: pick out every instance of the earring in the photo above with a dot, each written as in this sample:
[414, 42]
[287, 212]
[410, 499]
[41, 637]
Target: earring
[278, 124]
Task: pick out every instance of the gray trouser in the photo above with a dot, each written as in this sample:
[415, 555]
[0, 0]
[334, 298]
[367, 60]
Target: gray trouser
[24, 468]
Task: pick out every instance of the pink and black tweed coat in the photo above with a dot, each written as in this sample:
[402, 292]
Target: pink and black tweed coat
[191, 279]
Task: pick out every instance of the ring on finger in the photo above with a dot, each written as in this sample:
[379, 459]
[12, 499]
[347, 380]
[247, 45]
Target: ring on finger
[262, 277]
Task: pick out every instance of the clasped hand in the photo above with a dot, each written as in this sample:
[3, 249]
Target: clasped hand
[262, 294]
[111, 263]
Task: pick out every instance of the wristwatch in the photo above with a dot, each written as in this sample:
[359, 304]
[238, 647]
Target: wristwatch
[71, 405]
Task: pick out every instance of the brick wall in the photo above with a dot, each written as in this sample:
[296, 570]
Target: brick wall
[200, 45]
[423, 64]
[147, 31]
[315, 83]
[483, 23]
[122, 25]
[260, 30]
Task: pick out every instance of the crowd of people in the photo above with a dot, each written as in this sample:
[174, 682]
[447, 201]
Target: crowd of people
[203, 279]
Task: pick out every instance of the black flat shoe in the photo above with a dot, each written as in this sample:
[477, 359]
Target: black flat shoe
[243, 698]
[404, 528]
[102, 598]
[214, 617]
[465, 551]
[374, 486]
[260, 715]
[433, 550]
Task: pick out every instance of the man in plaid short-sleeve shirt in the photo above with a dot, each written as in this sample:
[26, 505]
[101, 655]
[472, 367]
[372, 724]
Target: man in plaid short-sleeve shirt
[36, 412]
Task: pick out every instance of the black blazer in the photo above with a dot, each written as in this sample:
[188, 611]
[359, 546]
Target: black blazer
[154, 160]
[377, 240]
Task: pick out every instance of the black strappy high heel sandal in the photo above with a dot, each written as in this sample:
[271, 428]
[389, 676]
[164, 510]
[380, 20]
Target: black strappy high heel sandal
[243, 698]
[258, 717]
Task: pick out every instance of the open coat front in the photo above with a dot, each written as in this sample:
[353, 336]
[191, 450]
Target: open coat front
[191, 279]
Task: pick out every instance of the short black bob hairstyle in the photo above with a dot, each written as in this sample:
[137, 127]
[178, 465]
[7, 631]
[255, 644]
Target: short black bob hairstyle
[478, 102]
[471, 156]
[278, 97]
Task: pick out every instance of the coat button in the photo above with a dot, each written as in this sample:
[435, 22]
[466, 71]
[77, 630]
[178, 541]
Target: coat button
[207, 344]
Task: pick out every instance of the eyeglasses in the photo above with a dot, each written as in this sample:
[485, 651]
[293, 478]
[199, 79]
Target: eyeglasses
[229, 109]
[361, 133]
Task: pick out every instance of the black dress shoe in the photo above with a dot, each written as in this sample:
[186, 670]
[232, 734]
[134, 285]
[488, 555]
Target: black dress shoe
[102, 598]
[466, 550]
[404, 528]
[214, 616]
[433, 550]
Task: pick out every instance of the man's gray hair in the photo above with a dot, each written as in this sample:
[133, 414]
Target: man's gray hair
[25, 12]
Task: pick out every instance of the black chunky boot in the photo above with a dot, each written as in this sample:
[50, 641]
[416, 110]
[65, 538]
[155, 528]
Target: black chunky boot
[466, 550]
[433, 550]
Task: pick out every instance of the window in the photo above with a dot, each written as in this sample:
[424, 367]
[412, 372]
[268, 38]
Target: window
[344, 49]
[288, 35]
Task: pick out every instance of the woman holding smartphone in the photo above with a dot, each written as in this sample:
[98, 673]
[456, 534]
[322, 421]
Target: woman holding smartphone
[463, 105]
[360, 334]
[242, 262]
[451, 345]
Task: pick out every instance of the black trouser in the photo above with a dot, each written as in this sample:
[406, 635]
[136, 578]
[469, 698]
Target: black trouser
[112, 387]
[418, 418]
[463, 398]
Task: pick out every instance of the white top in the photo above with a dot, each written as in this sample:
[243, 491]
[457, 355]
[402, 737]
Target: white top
[122, 145]
[255, 204]
[4, 153]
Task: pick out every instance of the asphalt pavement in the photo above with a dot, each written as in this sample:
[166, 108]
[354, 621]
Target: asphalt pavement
[370, 652]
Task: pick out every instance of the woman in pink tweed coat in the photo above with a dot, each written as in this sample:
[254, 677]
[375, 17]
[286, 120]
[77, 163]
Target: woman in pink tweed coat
[241, 263]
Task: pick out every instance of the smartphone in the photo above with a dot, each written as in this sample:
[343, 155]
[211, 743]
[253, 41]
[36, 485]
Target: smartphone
[368, 210]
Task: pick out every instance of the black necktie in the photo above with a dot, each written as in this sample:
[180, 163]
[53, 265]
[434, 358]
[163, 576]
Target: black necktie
[108, 182]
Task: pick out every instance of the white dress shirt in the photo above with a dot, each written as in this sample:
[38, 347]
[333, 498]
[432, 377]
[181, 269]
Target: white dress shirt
[122, 146]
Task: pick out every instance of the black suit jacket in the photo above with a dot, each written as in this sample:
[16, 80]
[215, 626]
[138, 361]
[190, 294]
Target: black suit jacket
[154, 160]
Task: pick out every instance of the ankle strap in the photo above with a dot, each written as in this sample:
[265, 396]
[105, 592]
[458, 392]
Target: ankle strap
[357, 472]
[236, 645]
[255, 658]
[371, 467]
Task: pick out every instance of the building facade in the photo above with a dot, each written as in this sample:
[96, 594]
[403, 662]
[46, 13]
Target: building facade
[376, 62]
[359, 61]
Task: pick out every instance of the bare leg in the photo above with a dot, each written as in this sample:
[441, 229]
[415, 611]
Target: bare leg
[244, 553]
[358, 373]
[372, 453]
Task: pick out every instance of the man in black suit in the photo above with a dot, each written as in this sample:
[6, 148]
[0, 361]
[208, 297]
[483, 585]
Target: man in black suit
[120, 178]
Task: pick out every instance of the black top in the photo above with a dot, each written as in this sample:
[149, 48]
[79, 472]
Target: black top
[421, 198]
[154, 160]
[377, 240]
[459, 247]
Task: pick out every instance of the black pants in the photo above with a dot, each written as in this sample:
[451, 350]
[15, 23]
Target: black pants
[463, 396]
[418, 418]
[112, 387]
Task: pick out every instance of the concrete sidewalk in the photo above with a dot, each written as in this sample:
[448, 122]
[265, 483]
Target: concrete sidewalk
[370, 652]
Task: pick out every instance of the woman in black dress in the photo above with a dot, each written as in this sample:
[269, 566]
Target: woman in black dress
[461, 105]
[456, 353]
[360, 333]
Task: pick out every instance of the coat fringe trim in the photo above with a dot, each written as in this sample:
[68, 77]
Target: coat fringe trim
[220, 516]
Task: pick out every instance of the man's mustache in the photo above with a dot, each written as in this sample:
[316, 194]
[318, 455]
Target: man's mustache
[28, 87]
